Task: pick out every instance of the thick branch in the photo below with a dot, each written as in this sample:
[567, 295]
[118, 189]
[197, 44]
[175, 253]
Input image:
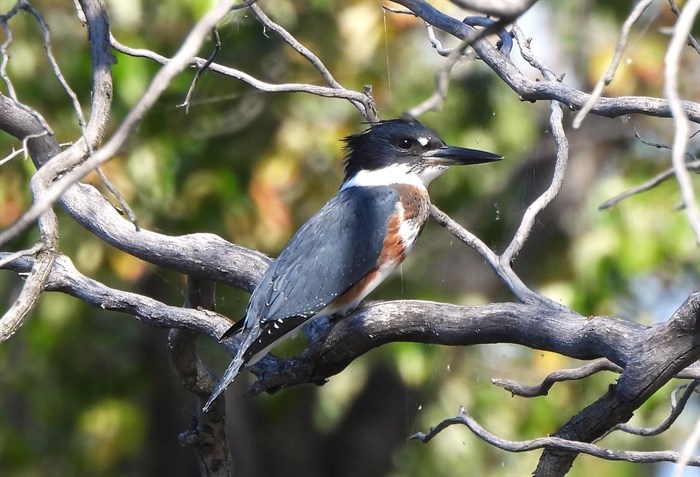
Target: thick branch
[375, 324]
[200, 255]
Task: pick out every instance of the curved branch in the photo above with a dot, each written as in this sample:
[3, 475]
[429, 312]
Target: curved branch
[201, 255]
[558, 376]
[529, 90]
[340, 342]
[324, 91]
[646, 457]
[676, 410]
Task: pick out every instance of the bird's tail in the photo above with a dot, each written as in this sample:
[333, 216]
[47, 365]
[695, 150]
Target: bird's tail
[231, 372]
[236, 365]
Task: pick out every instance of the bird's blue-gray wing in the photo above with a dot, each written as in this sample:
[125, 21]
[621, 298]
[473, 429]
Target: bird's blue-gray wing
[335, 249]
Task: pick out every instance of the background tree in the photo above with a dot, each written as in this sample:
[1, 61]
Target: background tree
[236, 146]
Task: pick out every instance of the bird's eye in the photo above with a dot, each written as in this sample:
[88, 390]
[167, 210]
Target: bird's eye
[405, 143]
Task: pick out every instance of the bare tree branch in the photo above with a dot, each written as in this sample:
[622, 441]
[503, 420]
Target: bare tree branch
[642, 377]
[208, 431]
[217, 48]
[529, 90]
[646, 457]
[622, 342]
[64, 277]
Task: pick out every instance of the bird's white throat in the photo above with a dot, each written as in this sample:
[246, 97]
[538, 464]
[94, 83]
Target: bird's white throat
[395, 174]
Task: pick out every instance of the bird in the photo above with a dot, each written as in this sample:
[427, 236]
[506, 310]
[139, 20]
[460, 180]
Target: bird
[354, 241]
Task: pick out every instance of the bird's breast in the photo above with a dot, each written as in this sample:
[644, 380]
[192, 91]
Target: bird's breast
[403, 227]
[407, 223]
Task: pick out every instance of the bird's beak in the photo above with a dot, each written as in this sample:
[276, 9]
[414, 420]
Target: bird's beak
[455, 156]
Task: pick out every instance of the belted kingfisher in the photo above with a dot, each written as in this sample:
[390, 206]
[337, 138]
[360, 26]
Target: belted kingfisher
[354, 242]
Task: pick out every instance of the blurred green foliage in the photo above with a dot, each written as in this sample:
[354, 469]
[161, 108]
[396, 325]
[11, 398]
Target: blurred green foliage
[88, 393]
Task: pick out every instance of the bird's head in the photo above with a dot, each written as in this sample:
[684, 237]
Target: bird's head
[402, 151]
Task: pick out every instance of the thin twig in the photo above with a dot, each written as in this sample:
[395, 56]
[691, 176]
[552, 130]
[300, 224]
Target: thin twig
[557, 128]
[609, 74]
[201, 70]
[120, 198]
[691, 39]
[503, 271]
[369, 113]
[3, 50]
[296, 45]
[659, 145]
[647, 185]
[36, 248]
[353, 96]
[543, 388]
[12, 155]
